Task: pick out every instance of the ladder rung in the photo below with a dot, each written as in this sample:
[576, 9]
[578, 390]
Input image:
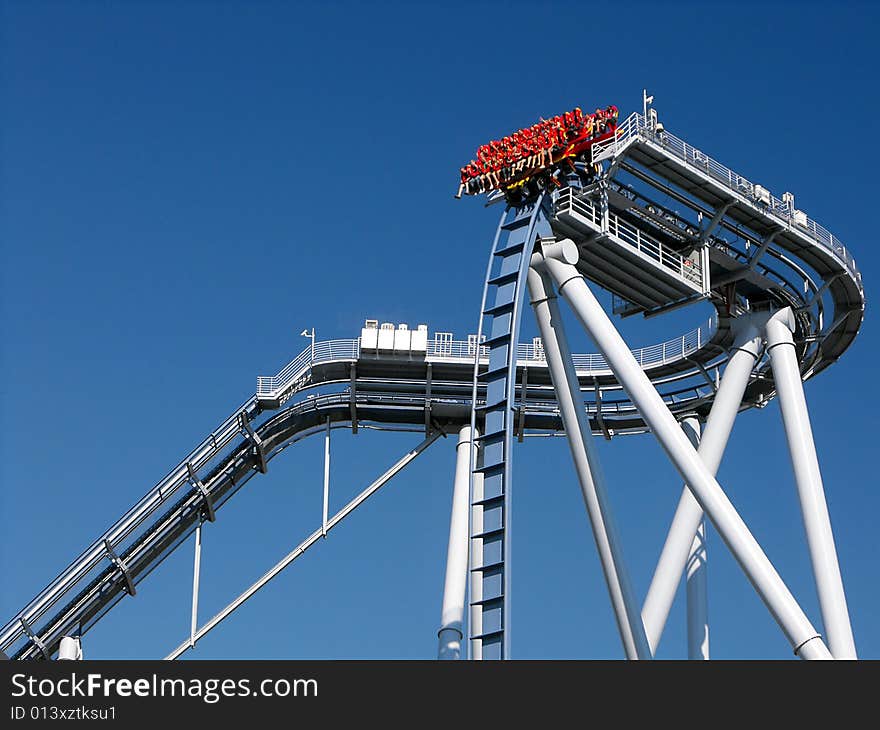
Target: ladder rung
[491, 406]
[490, 435]
[486, 500]
[484, 470]
[487, 566]
[511, 249]
[507, 278]
[518, 222]
[495, 340]
[489, 374]
[499, 308]
[488, 635]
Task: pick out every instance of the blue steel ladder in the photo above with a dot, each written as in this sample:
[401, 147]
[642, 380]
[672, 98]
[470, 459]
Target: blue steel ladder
[500, 314]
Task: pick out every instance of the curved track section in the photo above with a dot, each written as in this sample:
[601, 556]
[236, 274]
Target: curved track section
[388, 392]
[721, 239]
[500, 317]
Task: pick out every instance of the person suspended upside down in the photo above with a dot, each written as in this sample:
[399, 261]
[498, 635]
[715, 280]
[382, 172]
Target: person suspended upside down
[538, 156]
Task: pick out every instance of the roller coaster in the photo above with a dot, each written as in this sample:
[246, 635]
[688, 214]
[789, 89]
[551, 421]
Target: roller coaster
[788, 301]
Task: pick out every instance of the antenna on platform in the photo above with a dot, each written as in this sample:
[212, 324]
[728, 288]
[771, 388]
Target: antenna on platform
[311, 336]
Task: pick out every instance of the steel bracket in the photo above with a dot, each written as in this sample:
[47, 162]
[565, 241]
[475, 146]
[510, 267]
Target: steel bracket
[248, 432]
[119, 563]
[38, 642]
[203, 490]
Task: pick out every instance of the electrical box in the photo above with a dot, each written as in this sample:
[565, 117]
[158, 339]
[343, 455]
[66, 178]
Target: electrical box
[402, 338]
[419, 341]
[370, 335]
[800, 218]
[386, 337]
[762, 194]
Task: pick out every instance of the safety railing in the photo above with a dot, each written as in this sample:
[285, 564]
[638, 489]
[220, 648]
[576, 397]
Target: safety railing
[463, 351]
[635, 126]
[269, 385]
[687, 268]
[126, 529]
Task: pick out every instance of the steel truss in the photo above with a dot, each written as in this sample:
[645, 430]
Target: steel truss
[697, 474]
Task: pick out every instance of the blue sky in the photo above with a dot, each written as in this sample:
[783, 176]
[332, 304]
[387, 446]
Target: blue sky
[186, 186]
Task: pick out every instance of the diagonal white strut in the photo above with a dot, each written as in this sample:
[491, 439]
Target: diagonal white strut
[586, 460]
[689, 514]
[817, 523]
[307, 543]
[805, 640]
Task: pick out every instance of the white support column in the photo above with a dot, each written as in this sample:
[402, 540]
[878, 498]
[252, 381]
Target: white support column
[817, 523]
[586, 459]
[315, 537]
[696, 572]
[804, 638]
[689, 514]
[452, 615]
[326, 504]
[197, 563]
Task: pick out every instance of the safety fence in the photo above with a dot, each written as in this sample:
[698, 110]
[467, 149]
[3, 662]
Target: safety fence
[444, 348]
[636, 127]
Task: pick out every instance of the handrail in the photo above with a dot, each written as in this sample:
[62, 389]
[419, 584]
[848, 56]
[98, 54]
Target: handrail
[123, 528]
[532, 354]
[687, 268]
[636, 127]
[268, 385]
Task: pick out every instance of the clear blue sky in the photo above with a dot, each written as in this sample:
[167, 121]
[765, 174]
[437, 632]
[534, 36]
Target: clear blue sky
[186, 186]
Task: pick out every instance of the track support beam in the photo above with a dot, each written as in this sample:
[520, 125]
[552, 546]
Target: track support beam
[307, 543]
[452, 614]
[689, 514]
[804, 639]
[584, 453]
[197, 565]
[696, 573]
[123, 569]
[811, 492]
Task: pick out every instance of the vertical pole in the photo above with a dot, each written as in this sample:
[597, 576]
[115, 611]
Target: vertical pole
[197, 562]
[326, 480]
[697, 584]
[689, 513]
[804, 638]
[817, 522]
[586, 459]
[452, 614]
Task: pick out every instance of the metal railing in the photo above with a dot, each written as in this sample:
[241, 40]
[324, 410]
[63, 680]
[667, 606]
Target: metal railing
[274, 386]
[635, 126]
[123, 531]
[269, 385]
[687, 268]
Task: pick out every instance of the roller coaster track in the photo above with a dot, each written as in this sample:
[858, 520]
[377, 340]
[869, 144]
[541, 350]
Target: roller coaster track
[499, 386]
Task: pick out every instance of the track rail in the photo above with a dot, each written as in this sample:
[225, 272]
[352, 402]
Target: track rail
[480, 383]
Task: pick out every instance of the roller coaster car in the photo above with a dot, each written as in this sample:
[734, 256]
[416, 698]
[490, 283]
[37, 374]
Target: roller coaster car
[575, 149]
[507, 174]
